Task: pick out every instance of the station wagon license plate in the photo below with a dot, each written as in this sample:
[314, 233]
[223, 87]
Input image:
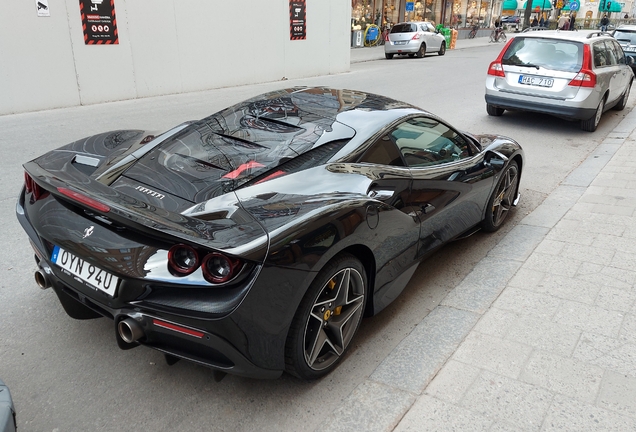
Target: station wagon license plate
[90, 275]
[536, 81]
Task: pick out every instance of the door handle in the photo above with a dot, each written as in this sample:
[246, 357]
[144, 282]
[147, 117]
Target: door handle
[380, 194]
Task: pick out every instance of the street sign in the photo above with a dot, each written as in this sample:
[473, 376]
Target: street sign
[410, 6]
[574, 5]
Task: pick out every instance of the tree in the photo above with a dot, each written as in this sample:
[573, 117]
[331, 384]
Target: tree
[526, 14]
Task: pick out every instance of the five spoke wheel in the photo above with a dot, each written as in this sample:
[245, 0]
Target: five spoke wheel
[502, 198]
[327, 318]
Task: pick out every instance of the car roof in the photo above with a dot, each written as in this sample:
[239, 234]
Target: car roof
[626, 27]
[583, 36]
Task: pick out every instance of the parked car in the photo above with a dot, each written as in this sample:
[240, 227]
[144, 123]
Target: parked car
[510, 19]
[414, 39]
[7, 410]
[626, 37]
[254, 240]
[574, 75]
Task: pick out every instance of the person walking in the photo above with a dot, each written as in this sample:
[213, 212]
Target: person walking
[563, 21]
[541, 22]
[535, 22]
[604, 23]
[572, 20]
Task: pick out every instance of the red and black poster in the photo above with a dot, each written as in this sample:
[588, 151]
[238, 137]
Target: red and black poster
[99, 22]
[297, 20]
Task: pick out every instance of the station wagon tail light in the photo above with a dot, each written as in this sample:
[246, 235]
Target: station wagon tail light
[32, 187]
[585, 77]
[496, 67]
[83, 199]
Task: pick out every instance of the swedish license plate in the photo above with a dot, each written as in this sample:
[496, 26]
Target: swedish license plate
[400, 42]
[536, 81]
[90, 275]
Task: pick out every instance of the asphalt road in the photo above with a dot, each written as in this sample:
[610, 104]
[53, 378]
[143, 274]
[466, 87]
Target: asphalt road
[68, 375]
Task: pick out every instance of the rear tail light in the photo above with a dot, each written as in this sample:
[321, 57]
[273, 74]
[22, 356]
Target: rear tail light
[183, 259]
[416, 36]
[218, 268]
[585, 77]
[496, 67]
[32, 187]
[83, 199]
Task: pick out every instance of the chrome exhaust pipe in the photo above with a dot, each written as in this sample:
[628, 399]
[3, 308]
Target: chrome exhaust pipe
[130, 330]
[41, 279]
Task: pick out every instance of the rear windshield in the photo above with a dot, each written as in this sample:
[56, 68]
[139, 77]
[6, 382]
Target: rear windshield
[404, 28]
[548, 53]
[625, 36]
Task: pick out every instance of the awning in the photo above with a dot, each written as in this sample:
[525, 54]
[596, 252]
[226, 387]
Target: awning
[509, 5]
[547, 4]
[614, 6]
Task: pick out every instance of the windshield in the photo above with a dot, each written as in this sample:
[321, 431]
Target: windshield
[548, 53]
[625, 36]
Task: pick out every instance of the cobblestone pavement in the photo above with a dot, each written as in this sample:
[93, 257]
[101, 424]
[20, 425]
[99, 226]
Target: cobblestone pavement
[541, 335]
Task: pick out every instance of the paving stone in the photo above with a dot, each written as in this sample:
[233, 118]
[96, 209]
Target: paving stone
[568, 288]
[526, 278]
[552, 264]
[618, 393]
[615, 299]
[452, 382]
[624, 260]
[416, 360]
[430, 414]
[497, 355]
[588, 254]
[519, 243]
[496, 322]
[613, 210]
[566, 414]
[545, 215]
[526, 302]
[370, 407]
[566, 376]
[483, 285]
[607, 276]
[628, 329]
[588, 318]
[569, 236]
[506, 399]
[504, 427]
[616, 354]
[550, 247]
[544, 335]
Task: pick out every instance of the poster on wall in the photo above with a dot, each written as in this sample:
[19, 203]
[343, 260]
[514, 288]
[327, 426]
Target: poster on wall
[98, 22]
[43, 8]
[297, 20]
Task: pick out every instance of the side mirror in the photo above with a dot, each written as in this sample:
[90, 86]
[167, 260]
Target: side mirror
[630, 60]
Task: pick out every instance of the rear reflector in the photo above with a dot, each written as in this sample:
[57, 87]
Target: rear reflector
[177, 328]
[83, 199]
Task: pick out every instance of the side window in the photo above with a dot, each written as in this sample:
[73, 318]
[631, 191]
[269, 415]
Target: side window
[599, 55]
[425, 141]
[618, 52]
[610, 53]
[383, 152]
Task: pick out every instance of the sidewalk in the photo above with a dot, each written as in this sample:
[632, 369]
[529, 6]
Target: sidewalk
[377, 53]
[541, 335]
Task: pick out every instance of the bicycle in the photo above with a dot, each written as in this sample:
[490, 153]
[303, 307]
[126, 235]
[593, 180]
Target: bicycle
[473, 32]
[498, 36]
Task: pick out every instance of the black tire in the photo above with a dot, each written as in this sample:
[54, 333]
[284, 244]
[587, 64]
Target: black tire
[388, 56]
[411, 55]
[327, 319]
[493, 110]
[442, 49]
[472, 34]
[591, 124]
[500, 202]
[74, 308]
[620, 106]
[422, 51]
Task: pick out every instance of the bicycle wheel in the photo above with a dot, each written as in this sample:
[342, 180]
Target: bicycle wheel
[503, 37]
[492, 37]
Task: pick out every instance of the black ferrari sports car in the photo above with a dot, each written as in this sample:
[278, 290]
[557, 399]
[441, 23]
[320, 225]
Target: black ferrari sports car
[254, 240]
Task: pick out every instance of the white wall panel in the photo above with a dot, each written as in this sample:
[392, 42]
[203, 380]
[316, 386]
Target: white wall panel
[165, 47]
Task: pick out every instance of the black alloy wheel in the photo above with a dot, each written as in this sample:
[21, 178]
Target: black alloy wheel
[422, 51]
[327, 319]
[502, 199]
[442, 49]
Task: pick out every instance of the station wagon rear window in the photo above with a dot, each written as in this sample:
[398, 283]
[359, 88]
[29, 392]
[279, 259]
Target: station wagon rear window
[547, 53]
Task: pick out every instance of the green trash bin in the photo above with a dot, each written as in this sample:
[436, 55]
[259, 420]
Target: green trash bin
[447, 35]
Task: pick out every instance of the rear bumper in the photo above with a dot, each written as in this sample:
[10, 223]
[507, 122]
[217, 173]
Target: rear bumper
[574, 113]
[409, 48]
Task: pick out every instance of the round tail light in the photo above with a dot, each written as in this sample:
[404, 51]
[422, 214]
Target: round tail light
[183, 259]
[218, 268]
